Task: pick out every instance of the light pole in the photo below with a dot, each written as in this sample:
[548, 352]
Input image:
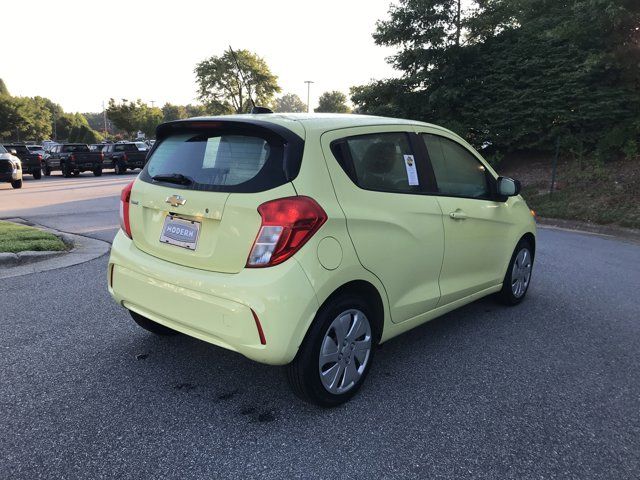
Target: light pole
[308, 82]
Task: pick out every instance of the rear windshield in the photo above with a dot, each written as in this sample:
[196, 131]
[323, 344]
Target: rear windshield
[125, 147]
[219, 161]
[75, 148]
[20, 149]
[34, 148]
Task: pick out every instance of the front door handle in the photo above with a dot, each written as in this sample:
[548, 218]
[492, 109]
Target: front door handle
[458, 215]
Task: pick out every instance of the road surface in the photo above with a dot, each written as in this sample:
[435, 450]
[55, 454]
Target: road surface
[547, 389]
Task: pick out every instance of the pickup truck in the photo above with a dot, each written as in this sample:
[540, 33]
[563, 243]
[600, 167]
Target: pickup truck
[10, 168]
[73, 158]
[31, 161]
[123, 156]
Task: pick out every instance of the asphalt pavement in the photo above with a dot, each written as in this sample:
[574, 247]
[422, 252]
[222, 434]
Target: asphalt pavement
[547, 389]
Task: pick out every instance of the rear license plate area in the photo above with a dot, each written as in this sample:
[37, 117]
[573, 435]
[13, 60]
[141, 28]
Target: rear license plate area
[180, 232]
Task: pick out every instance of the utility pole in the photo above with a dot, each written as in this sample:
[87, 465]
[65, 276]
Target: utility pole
[152, 103]
[104, 116]
[308, 82]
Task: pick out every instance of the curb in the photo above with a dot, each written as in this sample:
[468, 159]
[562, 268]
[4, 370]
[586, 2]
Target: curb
[619, 233]
[83, 249]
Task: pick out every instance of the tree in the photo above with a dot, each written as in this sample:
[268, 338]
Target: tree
[3, 88]
[173, 112]
[134, 116]
[290, 102]
[334, 102]
[516, 74]
[24, 118]
[225, 88]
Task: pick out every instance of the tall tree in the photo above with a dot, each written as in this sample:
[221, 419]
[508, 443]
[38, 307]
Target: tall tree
[173, 112]
[333, 102]
[290, 102]
[226, 86]
[3, 88]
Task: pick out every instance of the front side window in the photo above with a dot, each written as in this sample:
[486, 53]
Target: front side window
[383, 162]
[458, 172]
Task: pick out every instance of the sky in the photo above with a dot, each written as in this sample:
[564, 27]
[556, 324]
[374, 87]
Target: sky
[81, 53]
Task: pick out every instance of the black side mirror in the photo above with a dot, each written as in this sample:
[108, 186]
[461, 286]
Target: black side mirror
[507, 187]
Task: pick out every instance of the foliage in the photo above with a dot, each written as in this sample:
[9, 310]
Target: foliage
[290, 102]
[173, 112]
[134, 116]
[20, 238]
[225, 88]
[516, 74]
[333, 102]
[3, 88]
[24, 118]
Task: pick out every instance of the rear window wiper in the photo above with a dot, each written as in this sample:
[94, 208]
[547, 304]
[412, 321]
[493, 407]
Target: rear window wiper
[176, 178]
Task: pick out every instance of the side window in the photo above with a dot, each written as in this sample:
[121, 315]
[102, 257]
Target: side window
[382, 161]
[458, 172]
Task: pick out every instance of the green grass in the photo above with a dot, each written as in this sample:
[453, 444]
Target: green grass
[16, 238]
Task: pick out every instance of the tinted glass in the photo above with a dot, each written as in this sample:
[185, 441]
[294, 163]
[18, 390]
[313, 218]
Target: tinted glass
[384, 162]
[2, 149]
[219, 162]
[20, 149]
[75, 148]
[458, 172]
[126, 147]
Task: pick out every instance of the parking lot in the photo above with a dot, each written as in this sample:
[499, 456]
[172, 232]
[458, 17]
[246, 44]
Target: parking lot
[548, 389]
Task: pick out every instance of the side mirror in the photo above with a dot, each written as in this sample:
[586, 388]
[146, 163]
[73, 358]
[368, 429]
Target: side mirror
[12, 151]
[508, 187]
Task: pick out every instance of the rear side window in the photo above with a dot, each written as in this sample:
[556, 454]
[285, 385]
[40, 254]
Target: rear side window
[380, 161]
[458, 172]
[75, 148]
[219, 161]
[126, 147]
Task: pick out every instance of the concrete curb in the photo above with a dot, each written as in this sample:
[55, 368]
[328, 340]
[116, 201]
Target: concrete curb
[619, 233]
[83, 249]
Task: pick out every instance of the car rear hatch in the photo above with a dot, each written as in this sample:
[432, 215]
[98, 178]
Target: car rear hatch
[195, 202]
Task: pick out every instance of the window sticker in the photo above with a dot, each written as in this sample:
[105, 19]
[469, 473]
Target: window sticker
[412, 173]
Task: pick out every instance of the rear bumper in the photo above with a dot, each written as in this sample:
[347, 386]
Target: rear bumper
[217, 307]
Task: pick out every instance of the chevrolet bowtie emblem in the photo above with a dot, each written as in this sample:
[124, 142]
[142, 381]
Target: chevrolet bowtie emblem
[175, 200]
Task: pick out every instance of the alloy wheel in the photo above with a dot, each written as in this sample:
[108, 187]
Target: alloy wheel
[521, 273]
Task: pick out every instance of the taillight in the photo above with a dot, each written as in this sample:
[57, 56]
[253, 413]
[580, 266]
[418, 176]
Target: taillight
[125, 157]
[39, 157]
[125, 198]
[72, 157]
[287, 224]
[101, 156]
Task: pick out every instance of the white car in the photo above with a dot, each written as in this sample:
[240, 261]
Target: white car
[10, 168]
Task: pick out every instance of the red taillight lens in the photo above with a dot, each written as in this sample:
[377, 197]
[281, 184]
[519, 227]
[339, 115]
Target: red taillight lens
[72, 157]
[125, 157]
[287, 224]
[101, 156]
[39, 157]
[125, 198]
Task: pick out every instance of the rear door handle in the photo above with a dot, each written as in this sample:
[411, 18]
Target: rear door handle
[458, 215]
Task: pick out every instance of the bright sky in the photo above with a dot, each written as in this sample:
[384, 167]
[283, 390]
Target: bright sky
[81, 53]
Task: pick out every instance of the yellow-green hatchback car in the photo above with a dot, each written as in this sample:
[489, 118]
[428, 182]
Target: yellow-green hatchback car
[307, 240]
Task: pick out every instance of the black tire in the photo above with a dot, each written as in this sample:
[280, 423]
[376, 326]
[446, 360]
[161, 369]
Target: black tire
[37, 174]
[66, 171]
[118, 168]
[98, 172]
[303, 373]
[16, 183]
[507, 296]
[151, 326]
[46, 170]
[76, 173]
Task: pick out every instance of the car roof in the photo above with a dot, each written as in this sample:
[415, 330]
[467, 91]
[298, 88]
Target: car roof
[320, 122]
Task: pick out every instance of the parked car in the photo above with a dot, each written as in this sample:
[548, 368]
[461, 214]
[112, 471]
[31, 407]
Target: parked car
[73, 158]
[307, 240]
[97, 147]
[142, 146]
[123, 156]
[37, 149]
[31, 162]
[10, 168]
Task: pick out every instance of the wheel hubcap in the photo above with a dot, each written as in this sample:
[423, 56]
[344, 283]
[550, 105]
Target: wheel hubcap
[345, 351]
[521, 273]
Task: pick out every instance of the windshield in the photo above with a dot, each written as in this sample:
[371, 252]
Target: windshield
[20, 149]
[125, 147]
[218, 162]
[75, 148]
[2, 149]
